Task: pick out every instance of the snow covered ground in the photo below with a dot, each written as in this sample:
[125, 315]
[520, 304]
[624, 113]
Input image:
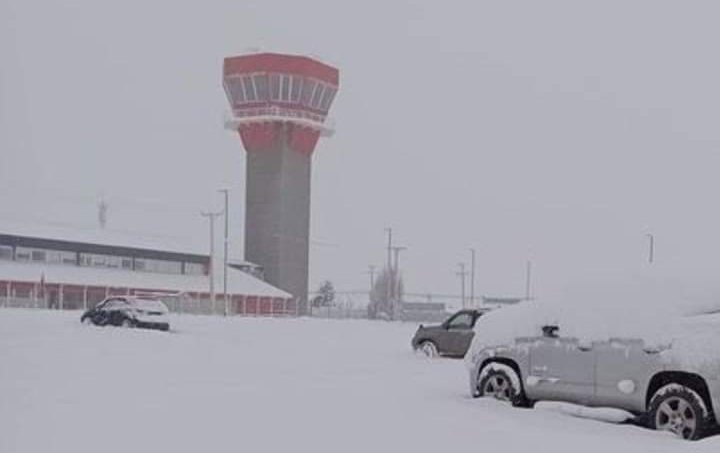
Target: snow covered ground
[265, 385]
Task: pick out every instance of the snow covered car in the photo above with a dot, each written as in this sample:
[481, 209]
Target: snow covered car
[451, 338]
[129, 311]
[668, 376]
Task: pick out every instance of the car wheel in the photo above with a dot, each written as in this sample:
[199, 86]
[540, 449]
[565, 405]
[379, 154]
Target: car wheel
[680, 410]
[429, 349]
[501, 382]
[127, 323]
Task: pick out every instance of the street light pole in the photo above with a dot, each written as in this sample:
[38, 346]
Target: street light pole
[211, 273]
[651, 251]
[472, 278]
[396, 273]
[226, 192]
[462, 275]
[528, 276]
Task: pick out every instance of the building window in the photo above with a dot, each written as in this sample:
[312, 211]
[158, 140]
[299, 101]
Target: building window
[195, 269]
[106, 261]
[61, 257]
[22, 254]
[249, 89]
[159, 266]
[307, 90]
[6, 253]
[38, 255]
[261, 87]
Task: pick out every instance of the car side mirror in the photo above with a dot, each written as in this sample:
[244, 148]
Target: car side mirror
[550, 331]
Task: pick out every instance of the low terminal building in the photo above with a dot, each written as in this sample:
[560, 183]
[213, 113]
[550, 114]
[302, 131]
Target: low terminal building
[74, 269]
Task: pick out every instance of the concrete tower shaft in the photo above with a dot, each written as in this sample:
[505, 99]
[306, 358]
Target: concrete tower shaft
[279, 106]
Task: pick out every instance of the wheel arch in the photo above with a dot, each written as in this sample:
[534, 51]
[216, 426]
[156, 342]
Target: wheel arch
[520, 399]
[691, 380]
[505, 361]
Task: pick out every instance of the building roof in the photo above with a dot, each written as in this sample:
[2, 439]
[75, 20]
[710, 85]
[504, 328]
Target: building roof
[239, 283]
[283, 63]
[100, 237]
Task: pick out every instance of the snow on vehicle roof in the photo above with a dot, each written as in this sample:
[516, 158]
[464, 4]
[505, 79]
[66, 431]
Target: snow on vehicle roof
[148, 304]
[653, 310]
[238, 282]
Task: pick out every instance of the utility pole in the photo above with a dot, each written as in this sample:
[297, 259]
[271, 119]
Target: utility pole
[390, 280]
[472, 278]
[226, 192]
[651, 251]
[396, 274]
[528, 276]
[371, 271]
[462, 275]
[102, 212]
[211, 273]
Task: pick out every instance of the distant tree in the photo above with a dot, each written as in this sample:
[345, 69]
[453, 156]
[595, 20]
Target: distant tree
[384, 301]
[325, 295]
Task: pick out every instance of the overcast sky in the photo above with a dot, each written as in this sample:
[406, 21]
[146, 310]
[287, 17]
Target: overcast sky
[557, 131]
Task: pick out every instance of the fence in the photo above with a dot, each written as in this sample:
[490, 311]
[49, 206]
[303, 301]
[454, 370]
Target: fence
[347, 307]
[238, 305]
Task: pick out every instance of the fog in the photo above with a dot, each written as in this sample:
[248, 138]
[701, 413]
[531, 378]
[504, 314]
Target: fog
[561, 132]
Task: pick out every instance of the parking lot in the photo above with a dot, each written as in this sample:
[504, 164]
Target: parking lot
[271, 385]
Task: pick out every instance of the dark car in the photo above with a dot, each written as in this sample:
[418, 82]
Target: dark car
[451, 338]
[129, 311]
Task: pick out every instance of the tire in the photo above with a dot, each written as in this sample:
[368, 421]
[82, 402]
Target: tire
[87, 320]
[428, 349]
[127, 323]
[501, 382]
[680, 410]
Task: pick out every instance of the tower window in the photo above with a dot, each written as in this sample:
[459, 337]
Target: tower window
[249, 89]
[234, 86]
[317, 95]
[296, 88]
[307, 91]
[327, 98]
[275, 87]
[285, 88]
[261, 87]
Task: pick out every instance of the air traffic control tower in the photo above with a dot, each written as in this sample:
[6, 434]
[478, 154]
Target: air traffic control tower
[279, 105]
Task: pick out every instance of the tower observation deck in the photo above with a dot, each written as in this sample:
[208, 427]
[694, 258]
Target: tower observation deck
[279, 105]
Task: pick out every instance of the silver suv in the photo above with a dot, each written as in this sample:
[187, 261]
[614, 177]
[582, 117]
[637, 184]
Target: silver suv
[657, 384]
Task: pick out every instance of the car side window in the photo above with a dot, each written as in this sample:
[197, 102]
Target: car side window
[461, 321]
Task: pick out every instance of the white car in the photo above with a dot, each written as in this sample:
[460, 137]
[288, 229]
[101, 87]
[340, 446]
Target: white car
[129, 311]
